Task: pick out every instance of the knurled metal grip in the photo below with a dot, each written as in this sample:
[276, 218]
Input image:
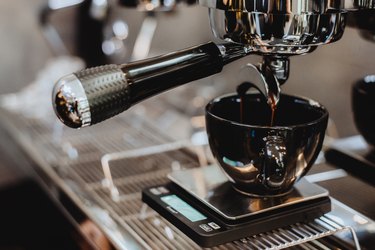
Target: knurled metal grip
[91, 96]
[106, 89]
[96, 94]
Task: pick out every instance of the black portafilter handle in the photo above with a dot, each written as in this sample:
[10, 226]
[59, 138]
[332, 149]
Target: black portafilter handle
[93, 95]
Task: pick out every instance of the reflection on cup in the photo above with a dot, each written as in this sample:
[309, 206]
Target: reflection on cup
[261, 160]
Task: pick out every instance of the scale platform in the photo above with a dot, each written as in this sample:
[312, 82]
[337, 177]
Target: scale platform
[202, 204]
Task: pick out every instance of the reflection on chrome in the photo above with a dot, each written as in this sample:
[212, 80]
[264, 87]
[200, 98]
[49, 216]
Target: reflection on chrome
[70, 102]
[282, 34]
[276, 6]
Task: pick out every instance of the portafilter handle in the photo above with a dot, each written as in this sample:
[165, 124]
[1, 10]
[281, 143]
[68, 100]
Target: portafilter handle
[93, 95]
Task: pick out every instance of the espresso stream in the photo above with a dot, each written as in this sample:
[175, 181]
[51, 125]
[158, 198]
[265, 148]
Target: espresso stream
[271, 100]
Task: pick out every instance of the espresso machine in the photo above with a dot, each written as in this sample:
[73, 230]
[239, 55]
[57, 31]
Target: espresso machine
[358, 150]
[195, 200]
[243, 29]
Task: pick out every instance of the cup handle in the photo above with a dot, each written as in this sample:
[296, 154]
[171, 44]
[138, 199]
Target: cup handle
[274, 162]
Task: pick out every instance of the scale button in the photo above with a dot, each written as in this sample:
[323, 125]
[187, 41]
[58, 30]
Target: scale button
[163, 190]
[214, 225]
[205, 227]
[155, 191]
[172, 210]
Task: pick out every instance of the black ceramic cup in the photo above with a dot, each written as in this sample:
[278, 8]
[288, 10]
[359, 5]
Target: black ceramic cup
[258, 159]
[363, 103]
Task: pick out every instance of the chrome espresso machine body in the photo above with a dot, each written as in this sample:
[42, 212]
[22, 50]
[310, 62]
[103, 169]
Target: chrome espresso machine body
[274, 29]
[195, 200]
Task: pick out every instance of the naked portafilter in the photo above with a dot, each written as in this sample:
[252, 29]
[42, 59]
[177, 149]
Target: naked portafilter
[274, 29]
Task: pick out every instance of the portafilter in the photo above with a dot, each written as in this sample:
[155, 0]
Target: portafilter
[275, 29]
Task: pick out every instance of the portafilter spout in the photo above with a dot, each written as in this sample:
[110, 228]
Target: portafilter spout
[275, 29]
[266, 77]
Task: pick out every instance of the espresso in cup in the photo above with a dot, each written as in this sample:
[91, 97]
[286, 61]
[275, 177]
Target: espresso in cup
[260, 159]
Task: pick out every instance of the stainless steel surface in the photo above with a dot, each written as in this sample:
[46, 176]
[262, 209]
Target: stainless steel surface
[144, 154]
[279, 67]
[276, 6]
[364, 4]
[263, 78]
[127, 222]
[281, 27]
[71, 102]
[282, 6]
[211, 186]
[279, 34]
[102, 92]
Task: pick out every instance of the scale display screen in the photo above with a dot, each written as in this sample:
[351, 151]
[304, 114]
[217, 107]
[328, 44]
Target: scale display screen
[183, 208]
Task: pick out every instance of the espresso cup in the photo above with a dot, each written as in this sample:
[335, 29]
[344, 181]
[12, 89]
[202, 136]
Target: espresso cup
[363, 98]
[259, 159]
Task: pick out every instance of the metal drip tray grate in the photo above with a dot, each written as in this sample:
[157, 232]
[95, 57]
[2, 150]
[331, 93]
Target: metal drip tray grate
[160, 233]
[152, 163]
[74, 157]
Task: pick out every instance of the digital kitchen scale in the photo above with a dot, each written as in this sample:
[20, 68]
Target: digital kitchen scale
[202, 204]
